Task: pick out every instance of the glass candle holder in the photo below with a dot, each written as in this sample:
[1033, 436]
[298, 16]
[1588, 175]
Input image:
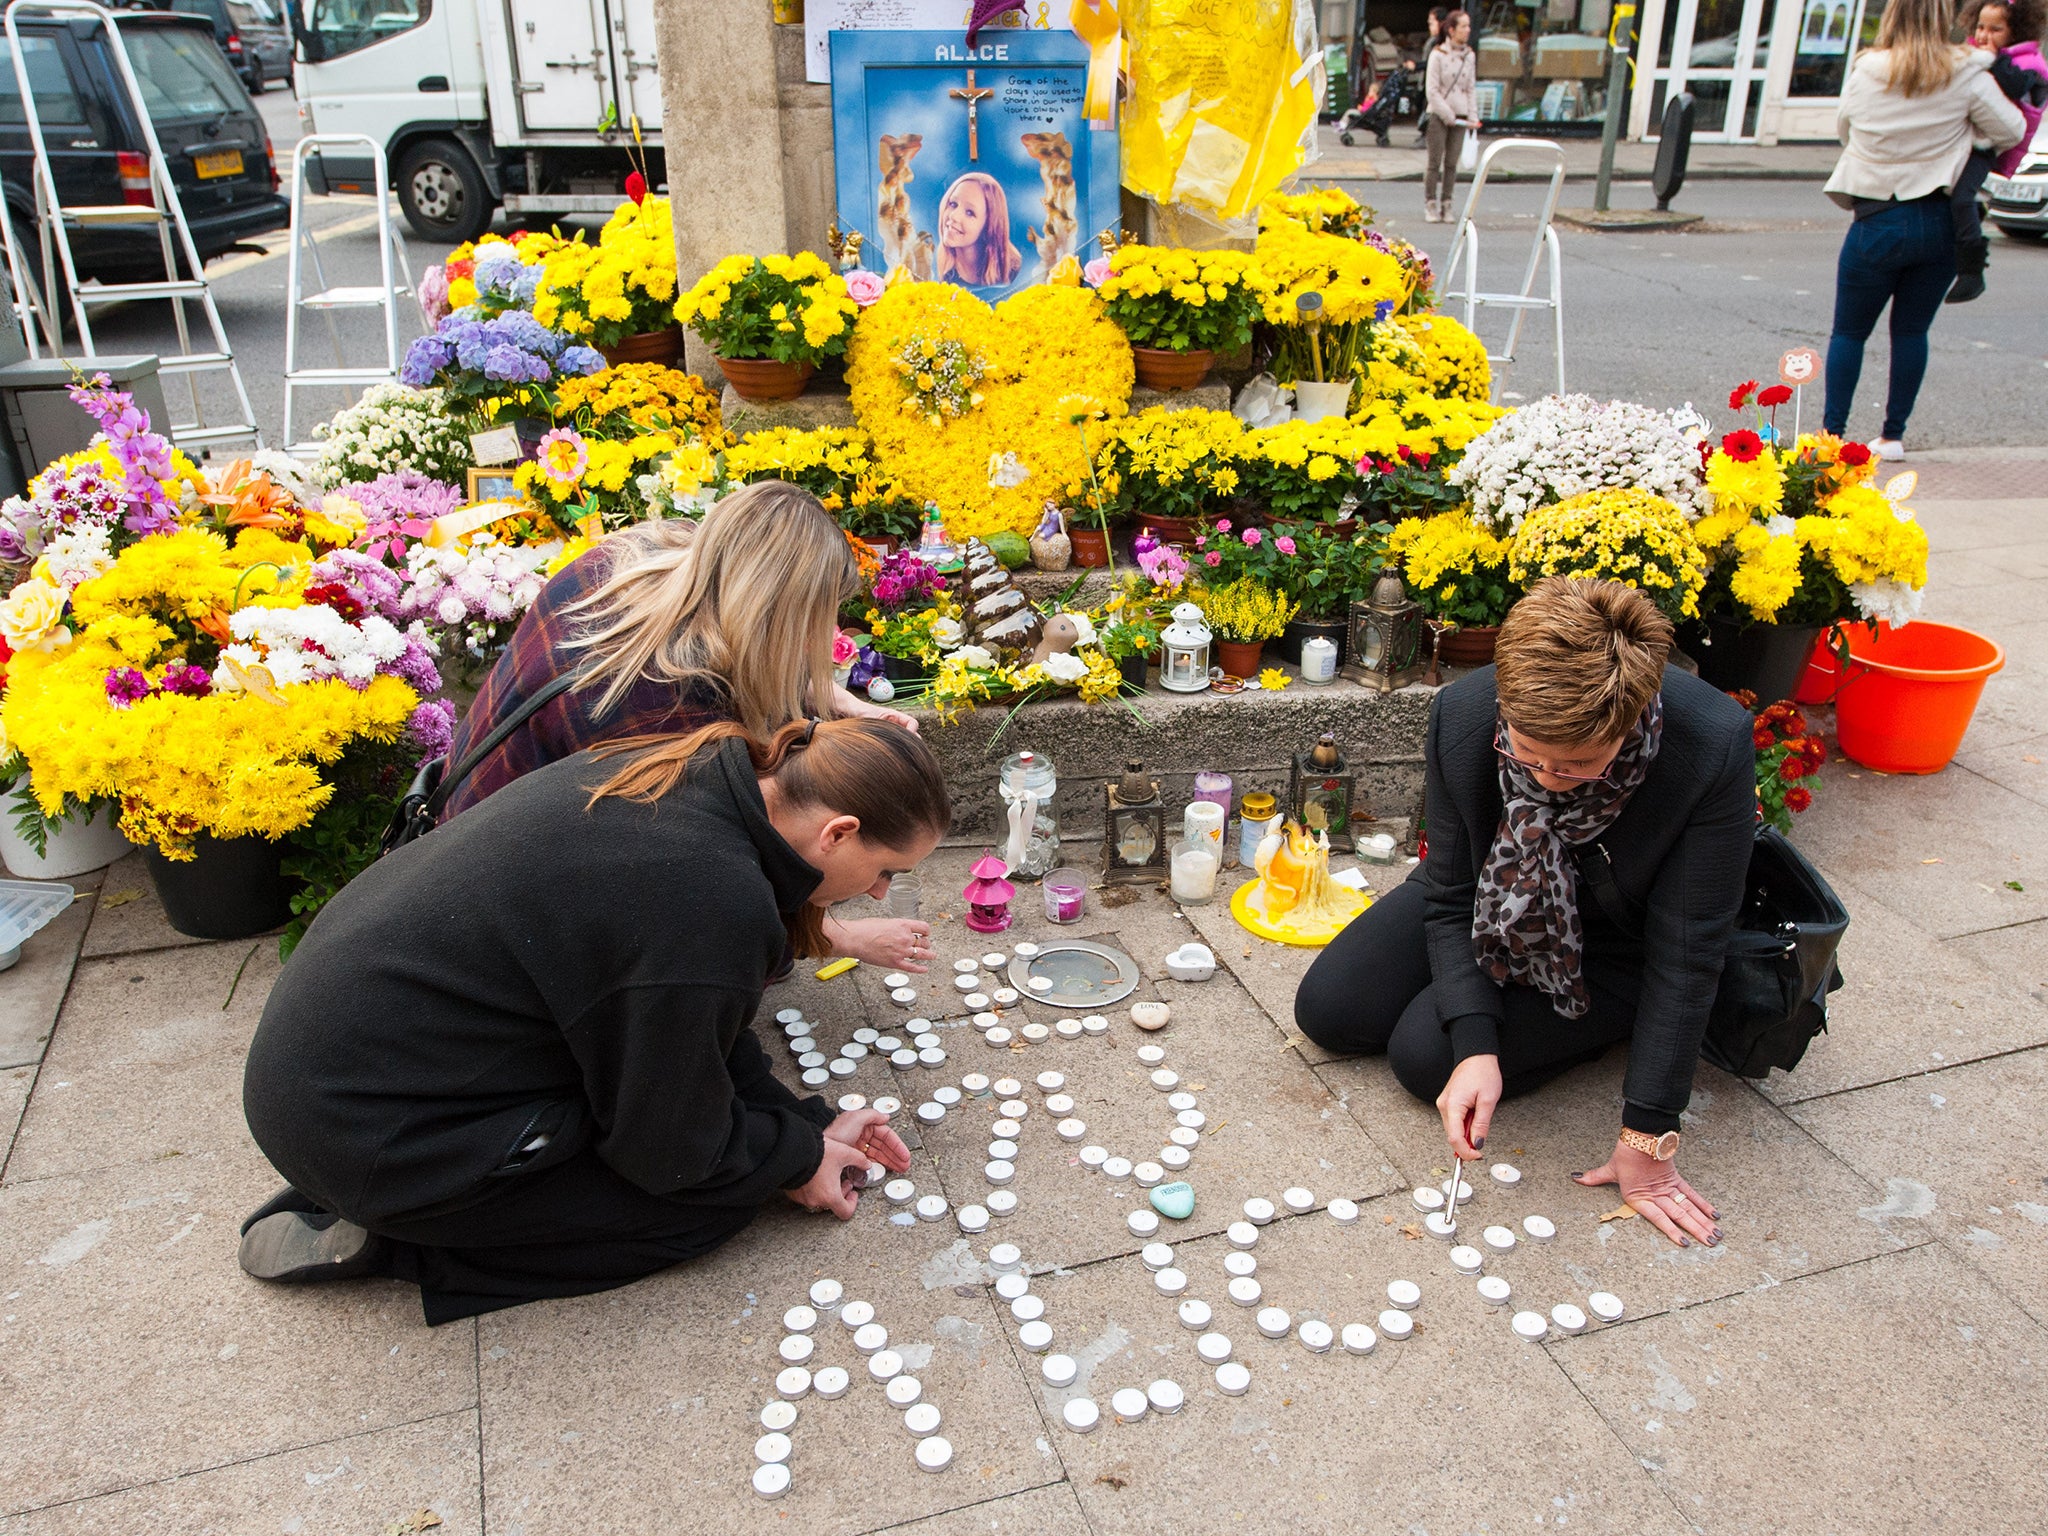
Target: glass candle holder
[1196, 864]
[1066, 895]
[1214, 787]
[1203, 820]
[905, 892]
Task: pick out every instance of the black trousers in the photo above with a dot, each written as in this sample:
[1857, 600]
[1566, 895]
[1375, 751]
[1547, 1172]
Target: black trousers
[1370, 992]
[569, 1230]
[1962, 199]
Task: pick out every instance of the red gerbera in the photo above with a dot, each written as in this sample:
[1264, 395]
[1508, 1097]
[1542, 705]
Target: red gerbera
[1741, 394]
[1777, 394]
[1742, 446]
[1855, 455]
[1798, 798]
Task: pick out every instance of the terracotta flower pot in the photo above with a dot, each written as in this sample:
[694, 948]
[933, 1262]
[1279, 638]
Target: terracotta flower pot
[1471, 646]
[1091, 547]
[664, 346]
[1168, 371]
[1240, 658]
[763, 381]
[883, 544]
[232, 889]
[1181, 532]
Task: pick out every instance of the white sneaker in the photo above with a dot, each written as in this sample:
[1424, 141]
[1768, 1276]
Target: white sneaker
[1889, 449]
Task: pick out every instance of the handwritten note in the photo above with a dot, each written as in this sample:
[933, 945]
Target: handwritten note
[824, 17]
[1046, 100]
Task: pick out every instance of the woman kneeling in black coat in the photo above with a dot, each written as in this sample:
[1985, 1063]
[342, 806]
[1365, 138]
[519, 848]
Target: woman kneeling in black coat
[513, 1059]
[1578, 758]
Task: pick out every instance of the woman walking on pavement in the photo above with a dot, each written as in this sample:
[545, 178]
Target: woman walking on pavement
[1453, 107]
[1909, 113]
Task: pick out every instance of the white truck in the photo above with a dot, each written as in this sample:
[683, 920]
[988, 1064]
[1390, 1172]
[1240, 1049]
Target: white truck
[525, 105]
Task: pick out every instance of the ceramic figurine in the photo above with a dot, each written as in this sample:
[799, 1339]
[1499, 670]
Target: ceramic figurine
[1018, 631]
[1061, 634]
[1051, 549]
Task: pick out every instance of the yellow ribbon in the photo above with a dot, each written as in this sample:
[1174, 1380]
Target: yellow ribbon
[1097, 24]
[450, 528]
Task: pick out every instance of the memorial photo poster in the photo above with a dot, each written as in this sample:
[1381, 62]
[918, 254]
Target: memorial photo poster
[969, 165]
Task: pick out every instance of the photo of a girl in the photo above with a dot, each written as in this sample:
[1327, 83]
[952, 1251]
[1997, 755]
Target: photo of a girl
[975, 249]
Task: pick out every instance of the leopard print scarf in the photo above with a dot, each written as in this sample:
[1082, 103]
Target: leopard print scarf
[1525, 922]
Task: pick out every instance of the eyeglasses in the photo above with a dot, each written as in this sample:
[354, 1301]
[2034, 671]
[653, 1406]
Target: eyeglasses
[1500, 745]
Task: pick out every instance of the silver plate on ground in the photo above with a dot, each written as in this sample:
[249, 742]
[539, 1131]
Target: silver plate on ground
[1083, 975]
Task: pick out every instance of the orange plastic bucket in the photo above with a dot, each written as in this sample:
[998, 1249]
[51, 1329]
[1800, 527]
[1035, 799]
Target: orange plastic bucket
[1817, 682]
[1910, 693]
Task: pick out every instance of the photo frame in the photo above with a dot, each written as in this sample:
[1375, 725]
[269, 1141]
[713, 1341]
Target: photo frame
[970, 165]
[494, 485]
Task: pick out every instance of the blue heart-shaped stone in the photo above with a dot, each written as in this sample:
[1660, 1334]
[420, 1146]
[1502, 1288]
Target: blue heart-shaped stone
[1175, 1201]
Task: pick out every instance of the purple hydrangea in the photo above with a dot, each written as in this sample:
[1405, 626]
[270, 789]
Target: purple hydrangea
[511, 348]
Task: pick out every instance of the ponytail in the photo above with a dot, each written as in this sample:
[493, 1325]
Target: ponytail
[880, 774]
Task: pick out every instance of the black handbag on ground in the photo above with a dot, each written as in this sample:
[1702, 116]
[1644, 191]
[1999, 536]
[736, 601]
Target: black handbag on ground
[1773, 997]
[420, 811]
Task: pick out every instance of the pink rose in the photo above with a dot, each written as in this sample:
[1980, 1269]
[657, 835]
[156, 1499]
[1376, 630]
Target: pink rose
[1284, 544]
[1223, 525]
[1251, 538]
[1201, 541]
[1096, 273]
[1213, 558]
[844, 649]
[864, 287]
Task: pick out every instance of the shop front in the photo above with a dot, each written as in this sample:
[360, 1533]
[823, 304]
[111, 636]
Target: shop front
[1760, 71]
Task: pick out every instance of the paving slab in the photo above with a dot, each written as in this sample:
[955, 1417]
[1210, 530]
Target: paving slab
[148, 1060]
[1935, 848]
[1962, 1153]
[2018, 953]
[15, 1085]
[32, 990]
[1909, 1003]
[2020, 766]
[360, 1483]
[1988, 523]
[1049, 1511]
[133, 1349]
[130, 918]
[1987, 607]
[1411, 1437]
[638, 1409]
[1904, 1394]
[1788, 1207]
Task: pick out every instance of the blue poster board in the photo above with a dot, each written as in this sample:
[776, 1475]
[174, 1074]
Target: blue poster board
[969, 165]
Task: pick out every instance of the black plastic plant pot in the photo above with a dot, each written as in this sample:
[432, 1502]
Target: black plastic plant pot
[232, 889]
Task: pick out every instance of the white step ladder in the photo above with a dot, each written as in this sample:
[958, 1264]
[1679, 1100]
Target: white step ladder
[1465, 254]
[25, 297]
[163, 212]
[328, 298]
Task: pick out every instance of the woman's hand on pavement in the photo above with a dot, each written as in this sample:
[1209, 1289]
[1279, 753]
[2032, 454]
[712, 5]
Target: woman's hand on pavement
[1658, 1195]
[1467, 1104]
[835, 1187]
[900, 943]
[867, 1132]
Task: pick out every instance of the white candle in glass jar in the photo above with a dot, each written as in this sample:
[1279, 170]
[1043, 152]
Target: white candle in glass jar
[1193, 877]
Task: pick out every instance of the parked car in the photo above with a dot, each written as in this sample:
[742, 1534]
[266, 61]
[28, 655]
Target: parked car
[2019, 202]
[251, 34]
[213, 138]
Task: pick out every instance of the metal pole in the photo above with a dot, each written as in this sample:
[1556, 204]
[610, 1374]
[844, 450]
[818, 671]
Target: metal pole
[1618, 40]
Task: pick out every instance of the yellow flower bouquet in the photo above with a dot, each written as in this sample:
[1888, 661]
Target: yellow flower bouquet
[1246, 612]
[1630, 536]
[1184, 301]
[788, 309]
[1180, 464]
[1327, 297]
[621, 286]
[1455, 568]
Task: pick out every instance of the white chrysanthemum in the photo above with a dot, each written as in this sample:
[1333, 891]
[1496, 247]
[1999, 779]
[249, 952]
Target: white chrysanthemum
[1892, 601]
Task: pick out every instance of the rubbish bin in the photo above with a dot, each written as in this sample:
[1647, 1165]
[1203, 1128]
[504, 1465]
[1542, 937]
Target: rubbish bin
[44, 423]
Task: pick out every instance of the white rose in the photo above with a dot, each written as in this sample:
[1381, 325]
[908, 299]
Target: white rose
[1064, 667]
[30, 614]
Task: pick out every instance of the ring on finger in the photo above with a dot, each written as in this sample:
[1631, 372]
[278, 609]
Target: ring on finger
[1678, 1200]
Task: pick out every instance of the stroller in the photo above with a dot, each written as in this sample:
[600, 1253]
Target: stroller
[1394, 97]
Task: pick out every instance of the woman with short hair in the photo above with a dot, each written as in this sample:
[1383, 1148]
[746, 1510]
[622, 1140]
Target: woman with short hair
[1579, 760]
[513, 1059]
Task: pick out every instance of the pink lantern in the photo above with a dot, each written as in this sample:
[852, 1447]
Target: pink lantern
[988, 895]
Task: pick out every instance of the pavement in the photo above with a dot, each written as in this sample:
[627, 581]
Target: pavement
[1866, 1352]
[1404, 157]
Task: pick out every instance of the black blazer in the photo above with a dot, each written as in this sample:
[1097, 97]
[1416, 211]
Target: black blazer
[1680, 851]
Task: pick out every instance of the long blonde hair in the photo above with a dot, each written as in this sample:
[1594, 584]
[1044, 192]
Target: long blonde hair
[1914, 38]
[744, 602]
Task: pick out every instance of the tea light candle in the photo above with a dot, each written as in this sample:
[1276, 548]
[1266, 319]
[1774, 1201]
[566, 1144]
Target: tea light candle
[973, 1219]
[1493, 1290]
[931, 1113]
[1541, 1229]
[796, 1348]
[1093, 1157]
[1174, 1159]
[853, 1050]
[1060, 1105]
[1405, 1294]
[978, 1001]
[1464, 1190]
[799, 1320]
[1506, 1173]
[1246, 1291]
[788, 1016]
[1165, 1396]
[1232, 1379]
[1396, 1325]
[934, 1454]
[1438, 1224]
[1012, 1119]
[966, 967]
[995, 959]
[1004, 997]
[1192, 878]
[1007, 1089]
[1214, 1348]
[793, 1382]
[999, 1038]
[1316, 1336]
[1568, 1318]
[904, 1391]
[1343, 1212]
[1025, 950]
[1605, 1305]
[1499, 1239]
[1170, 1281]
[1165, 1080]
[925, 1041]
[1059, 1370]
[870, 1337]
[1028, 1309]
[1298, 1200]
[1180, 1101]
[967, 983]
[802, 1046]
[772, 1449]
[811, 1060]
[856, 1314]
[904, 1060]
[1116, 1168]
[1036, 1336]
[849, 1102]
[1002, 1151]
[1427, 1199]
[1036, 1033]
[1240, 1264]
[1040, 984]
[1194, 1120]
[1051, 1083]
[999, 1171]
[1318, 659]
[1242, 1234]
[843, 1067]
[885, 1365]
[1001, 1203]
[1151, 1055]
[1071, 1129]
[1148, 1174]
[899, 1191]
[1184, 1135]
[1068, 1029]
[1194, 1314]
[1013, 1285]
[1095, 1024]
[931, 1056]
[1359, 1339]
[903, 997]
[816, 1077]
[1530, 1326]
[917, 1028]
[1129, 1404]
[1081, 1415]
[1257, 1211]
[826, 1295]
[947, 1095]
[931, 1208]
[771, 1482]
[1274, 1322]
[887, 1045]
[1005, 1258]
[1156, 1256]
[1142, 1222]
[975, 1084]
[1467, 1259]
[921, 1419]
[832, 1381]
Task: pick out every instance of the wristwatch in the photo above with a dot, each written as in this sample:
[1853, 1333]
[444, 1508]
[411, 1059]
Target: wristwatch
[1662, 1148]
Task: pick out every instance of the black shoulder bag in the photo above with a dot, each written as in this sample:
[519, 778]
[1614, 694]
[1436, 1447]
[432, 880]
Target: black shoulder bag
[420, 811]
[1773, 997]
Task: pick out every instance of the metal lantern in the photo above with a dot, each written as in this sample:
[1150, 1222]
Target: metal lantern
[988, 895]
[1322, 792]
[1184, 648]
[1134, 828]
[1389, 642]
